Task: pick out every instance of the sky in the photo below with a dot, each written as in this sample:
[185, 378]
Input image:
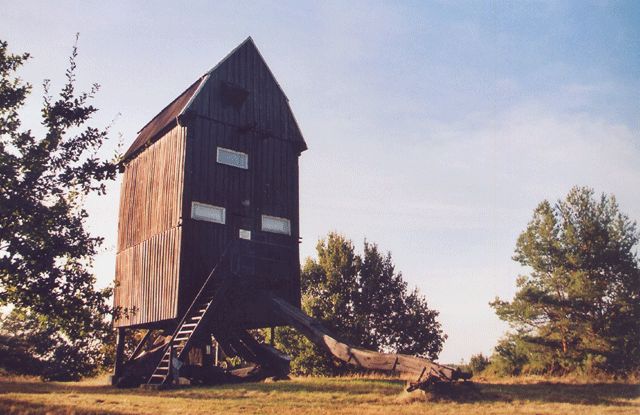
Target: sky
[434, 127]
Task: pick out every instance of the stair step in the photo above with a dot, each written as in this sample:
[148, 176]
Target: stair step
[197, 311]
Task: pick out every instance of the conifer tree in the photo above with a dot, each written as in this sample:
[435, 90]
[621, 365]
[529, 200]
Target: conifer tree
[580, 304]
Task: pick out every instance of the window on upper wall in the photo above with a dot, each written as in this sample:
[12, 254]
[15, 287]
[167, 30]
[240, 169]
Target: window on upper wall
[208, 213]
[232, 158]
[276, 225]
[233, 94]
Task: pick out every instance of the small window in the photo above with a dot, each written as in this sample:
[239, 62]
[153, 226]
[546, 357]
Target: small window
[233, 158]
[245, 234]
[233, 94]
[209, 213]
[276, 225]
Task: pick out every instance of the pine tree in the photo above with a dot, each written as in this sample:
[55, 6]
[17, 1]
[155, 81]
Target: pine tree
[580, 304]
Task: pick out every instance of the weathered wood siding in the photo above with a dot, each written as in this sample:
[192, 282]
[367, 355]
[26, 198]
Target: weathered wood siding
[262, 127]
[163, 255]
[150, 232]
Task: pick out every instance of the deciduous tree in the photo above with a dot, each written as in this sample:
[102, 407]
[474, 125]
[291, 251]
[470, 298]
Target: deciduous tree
[46, 251]
[363, 301]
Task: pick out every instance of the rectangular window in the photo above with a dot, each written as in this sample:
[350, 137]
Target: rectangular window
[245, 234]
[209, 213]
[276, 225]
[232, 158]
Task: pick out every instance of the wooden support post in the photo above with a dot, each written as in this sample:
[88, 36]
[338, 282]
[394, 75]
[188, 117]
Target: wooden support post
[272, 337]
[211, 353]
[119, 363]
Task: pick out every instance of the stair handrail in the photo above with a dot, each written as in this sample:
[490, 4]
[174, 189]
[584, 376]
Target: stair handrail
[170, 367]
[195, 299]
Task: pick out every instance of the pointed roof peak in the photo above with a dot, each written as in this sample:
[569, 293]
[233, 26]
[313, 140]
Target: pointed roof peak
[248, 40]
[177, 107]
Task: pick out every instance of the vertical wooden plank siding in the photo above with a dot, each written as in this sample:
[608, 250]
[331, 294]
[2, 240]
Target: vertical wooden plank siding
[270, 184]
[163, 255]
[150, 232]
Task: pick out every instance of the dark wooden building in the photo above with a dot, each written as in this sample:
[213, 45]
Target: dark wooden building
[217, 166]
[209, 232]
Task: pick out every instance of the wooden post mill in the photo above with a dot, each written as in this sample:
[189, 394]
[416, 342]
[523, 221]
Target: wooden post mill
[208, 235]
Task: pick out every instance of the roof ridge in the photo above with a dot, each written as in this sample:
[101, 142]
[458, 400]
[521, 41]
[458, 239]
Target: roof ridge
[228, 55]
[184, 101]
[170, 103]
[250, 40]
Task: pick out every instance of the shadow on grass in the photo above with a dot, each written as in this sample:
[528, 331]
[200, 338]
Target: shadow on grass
[611, 394]
[15, 407]
[330, 385]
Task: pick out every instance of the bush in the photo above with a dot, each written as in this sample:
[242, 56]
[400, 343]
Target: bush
[30, 344]
[478, 363]
[509, 357]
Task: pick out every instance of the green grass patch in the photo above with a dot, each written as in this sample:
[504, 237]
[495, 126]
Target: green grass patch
[358, 396]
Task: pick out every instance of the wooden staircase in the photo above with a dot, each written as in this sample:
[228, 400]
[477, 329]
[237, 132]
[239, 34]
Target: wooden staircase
[194, 321]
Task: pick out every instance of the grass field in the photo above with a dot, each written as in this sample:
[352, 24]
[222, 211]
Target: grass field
[359, 396]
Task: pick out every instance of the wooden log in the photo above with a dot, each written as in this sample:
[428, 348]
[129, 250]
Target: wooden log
[419, 367]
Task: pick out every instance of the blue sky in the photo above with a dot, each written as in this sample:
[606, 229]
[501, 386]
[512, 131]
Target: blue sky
[434, 128]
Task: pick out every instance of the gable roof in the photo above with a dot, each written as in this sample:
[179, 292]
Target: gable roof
[168, 117]
[164, 120]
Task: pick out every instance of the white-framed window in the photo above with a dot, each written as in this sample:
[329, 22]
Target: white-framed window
[244, 234]
[232, 158]
[209, 213]
[276, 224]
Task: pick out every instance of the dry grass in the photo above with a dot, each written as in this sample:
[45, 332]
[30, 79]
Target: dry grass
[359, 396]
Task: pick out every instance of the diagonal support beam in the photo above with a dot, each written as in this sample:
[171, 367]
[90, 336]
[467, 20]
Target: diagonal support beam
[367, 359]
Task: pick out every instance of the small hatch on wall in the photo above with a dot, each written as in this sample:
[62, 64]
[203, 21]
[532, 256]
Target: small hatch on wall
[232, 94]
